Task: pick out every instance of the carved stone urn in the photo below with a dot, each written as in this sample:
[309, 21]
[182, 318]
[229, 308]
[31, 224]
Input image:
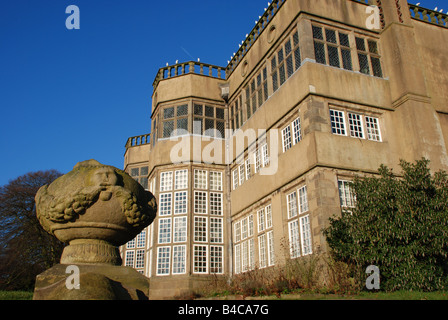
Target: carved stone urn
[95, 208]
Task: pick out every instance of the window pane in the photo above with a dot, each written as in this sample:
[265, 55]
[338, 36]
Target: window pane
[275, 81]
[182, 110]
[181, 179]
[165, 230]
[179, 257]
[347, 59]
[168, 113]
[337, 122]
[182, 124]
[200, 229]
[197, 126]
[317, 33]
[200, 202]
[295, 38]
[355, 124]
[290, 66]
[180, 229]
[344, 40]
[360, 44]
[373, 129]
[373, 46]
[280, 56]
[364, 64]
[168, 128]
[282, 74]
[376, 66]
[333, 56]
[209, 127]
[297, 58]
[200, 259]
[216, 204]
[200, 179]
[292, 204]
[288, 47]
[215, 181]
[165, 203]
[330, 35]
[220, 126]
[198, 109]
[219, 113]
[180, 202]
[135, 172]
[319, 51]
[209, 112]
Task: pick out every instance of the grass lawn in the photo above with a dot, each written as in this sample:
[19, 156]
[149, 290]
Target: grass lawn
[16, 295]
[399, 295]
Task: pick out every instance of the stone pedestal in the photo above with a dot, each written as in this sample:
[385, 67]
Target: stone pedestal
[96, 282]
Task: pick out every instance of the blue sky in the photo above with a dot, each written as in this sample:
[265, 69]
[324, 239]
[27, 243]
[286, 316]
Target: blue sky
[72, 95]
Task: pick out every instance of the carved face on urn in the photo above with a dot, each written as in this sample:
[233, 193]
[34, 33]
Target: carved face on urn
[95, 201]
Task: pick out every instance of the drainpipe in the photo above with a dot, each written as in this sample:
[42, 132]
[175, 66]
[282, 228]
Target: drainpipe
[225, 88]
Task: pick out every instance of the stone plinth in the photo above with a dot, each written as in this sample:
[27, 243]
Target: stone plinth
[96, 282]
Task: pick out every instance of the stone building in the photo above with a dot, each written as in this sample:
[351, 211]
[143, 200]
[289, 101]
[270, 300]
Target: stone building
[320, 91]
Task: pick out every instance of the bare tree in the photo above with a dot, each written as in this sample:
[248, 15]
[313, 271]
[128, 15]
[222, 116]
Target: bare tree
[25, 248]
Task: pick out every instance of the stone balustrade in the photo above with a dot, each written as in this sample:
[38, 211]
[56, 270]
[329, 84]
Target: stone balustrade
[138, 141]
[428, 15]
[260, 26]
[180, 69]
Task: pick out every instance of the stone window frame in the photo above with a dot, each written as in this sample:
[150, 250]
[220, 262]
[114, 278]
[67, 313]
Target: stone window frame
[286, 59]
[166, 181]
[201, 227]
[347, 198]
[216, 260]
[216, 229]
[140, 174]
[165, 226]
[180, 229]
[244, 240]
[163, 261]
[179, 112]
[367, 127]
[216, 204]
[200, 202]
[306, 235]
[129, 259]
[200, 179]
[180, 202]
[215, 121]
[140, 259]
[165, 204]
[332, 46]
[368, 48]
[200, 262]
[216, 181]
[181, 179]
[265, 228]
[301, 206]
[179, 267]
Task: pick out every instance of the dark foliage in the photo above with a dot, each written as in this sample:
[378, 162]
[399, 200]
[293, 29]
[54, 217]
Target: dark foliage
[25, 248]
[399, 224]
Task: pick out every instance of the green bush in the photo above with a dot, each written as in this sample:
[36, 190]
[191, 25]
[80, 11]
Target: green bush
[399, 224]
